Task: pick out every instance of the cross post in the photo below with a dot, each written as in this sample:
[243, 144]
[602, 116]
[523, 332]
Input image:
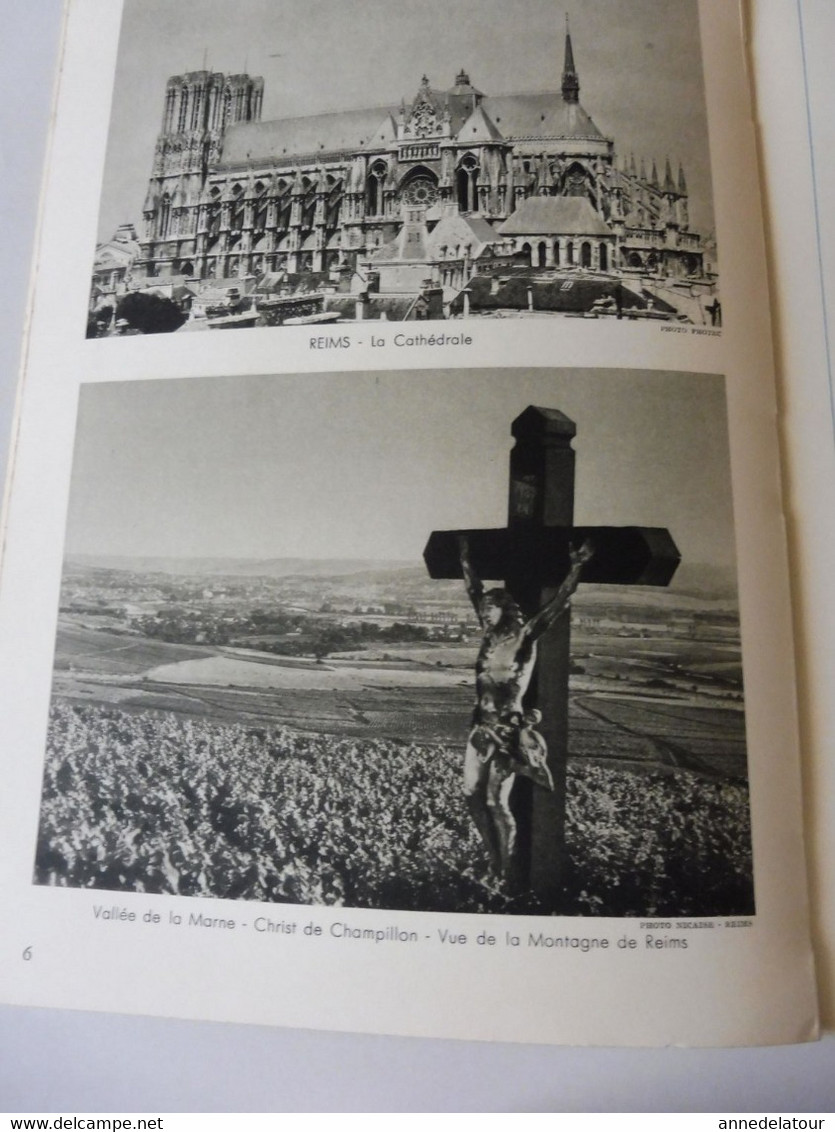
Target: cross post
[531, 556]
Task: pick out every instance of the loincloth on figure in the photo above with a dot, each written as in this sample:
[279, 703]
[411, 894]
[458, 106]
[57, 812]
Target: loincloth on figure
[513, 744]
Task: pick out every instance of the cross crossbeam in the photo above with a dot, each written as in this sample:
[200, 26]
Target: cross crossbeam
[626, 556]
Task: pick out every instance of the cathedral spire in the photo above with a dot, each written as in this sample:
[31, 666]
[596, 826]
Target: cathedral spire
[669, 183]
[570, 80]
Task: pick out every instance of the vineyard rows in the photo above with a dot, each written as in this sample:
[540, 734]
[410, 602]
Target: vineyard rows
[155, 802]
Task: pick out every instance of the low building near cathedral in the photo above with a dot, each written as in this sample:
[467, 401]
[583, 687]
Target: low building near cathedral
[112, 267]
[392, 200]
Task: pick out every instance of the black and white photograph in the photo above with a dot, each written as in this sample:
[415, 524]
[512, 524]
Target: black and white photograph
[451, 641]
[294, 162]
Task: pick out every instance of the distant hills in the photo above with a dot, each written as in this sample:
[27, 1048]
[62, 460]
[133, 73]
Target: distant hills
[697, 580]
[247, 567]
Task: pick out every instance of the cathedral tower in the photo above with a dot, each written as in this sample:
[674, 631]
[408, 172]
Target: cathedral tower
[198, 109]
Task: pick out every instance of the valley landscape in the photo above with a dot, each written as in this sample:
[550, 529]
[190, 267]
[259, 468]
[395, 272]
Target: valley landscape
[375, 661]
[657, 674]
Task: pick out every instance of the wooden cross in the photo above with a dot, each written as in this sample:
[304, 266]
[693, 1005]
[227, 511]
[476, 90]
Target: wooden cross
[531, 555]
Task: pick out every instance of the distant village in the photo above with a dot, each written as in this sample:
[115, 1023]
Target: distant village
[310, 616]
[295, 616]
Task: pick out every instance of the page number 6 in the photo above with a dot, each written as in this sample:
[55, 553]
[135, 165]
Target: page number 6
[27, 954]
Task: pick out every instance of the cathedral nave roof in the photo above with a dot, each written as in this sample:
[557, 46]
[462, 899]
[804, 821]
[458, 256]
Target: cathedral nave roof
[282, 138]
[509, 116]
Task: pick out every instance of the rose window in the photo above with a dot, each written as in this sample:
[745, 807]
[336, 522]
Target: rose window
[420, 192]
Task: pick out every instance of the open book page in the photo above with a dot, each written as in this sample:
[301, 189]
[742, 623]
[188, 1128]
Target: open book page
[794, 102]
[394, 598]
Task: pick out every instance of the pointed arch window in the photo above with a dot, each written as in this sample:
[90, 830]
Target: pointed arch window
[374, 188]
[164, 216]
[308, 209]
[333, 203]
[466, 178]
[182, 123]
[575, 182]
[259, 216]
[170, 99]
[236, 213]
[213, 212]
[284, 205]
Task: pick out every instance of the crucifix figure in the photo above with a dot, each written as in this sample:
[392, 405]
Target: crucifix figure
[503, 741]
[515, 767]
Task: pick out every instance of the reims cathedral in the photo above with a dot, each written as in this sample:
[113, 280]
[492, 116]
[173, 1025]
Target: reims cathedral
[232, 196]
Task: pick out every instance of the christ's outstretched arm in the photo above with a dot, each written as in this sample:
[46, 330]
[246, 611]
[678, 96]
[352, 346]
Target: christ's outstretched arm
[547, 615]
